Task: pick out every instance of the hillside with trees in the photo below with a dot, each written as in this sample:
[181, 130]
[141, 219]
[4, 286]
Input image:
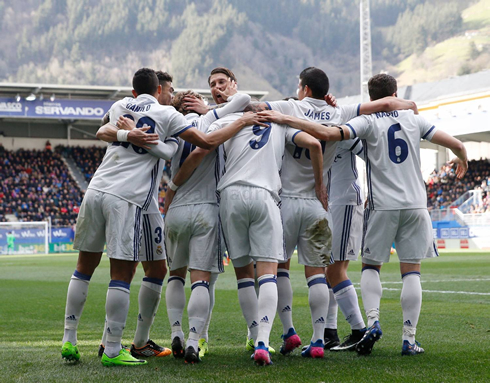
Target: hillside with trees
[266, 43]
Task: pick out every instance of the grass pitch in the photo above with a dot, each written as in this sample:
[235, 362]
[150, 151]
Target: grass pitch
[454, 329]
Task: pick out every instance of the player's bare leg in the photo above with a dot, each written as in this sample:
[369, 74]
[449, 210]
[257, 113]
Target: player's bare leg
[346, 298]
[411, 301]
[75, 301]
[175, 298]
[198, 310]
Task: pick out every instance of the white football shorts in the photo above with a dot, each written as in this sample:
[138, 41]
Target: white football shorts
[410, 229]
[251, 224]
[152, 238]
[346, 231]
[192, 238]
[107, 219]
[306, 226]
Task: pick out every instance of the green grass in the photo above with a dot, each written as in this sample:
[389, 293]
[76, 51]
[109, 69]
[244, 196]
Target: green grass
[454, 329]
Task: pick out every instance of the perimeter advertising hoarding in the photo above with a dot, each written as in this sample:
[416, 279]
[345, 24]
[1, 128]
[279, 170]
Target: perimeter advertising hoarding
[58, 109]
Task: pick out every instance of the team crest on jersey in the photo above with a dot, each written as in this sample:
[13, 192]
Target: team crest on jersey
[159, 250]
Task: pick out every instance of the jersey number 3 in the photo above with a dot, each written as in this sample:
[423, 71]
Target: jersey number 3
[397, 147]
[263, 134]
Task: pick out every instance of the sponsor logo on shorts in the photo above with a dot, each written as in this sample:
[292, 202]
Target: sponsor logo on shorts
[351, 252]
[367, 251]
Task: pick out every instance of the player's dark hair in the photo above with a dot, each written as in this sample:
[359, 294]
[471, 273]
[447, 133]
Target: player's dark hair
[145, 81]
[164, 77]
[223, 70]
[381, 85]
[317, 81]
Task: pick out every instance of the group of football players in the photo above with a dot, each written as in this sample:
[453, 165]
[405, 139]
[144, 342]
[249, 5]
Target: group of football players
[259, 179]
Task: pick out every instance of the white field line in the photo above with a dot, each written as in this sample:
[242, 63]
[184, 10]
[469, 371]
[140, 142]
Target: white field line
[436, 281]
[441, 291]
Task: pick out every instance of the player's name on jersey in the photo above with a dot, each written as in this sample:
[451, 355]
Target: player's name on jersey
[317, 115]
[138, 108]
[386, 114]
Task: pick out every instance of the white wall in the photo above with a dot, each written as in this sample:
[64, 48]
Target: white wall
[15, 143]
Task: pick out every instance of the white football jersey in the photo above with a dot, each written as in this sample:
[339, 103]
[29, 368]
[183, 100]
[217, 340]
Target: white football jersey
[297, 173]
[253, 157]
[128, 171]
[201, 185]
[391, 144]
[342, 184]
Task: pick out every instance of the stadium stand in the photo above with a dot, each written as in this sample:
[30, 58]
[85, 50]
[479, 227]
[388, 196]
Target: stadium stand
[443, 189]
[36, 184]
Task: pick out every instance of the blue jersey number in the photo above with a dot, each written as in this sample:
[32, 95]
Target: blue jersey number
[141, 122]
[263, 133]
[398, 148]
[299, 151]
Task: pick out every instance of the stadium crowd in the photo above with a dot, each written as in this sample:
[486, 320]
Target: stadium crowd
[443, 188]
[36, 185]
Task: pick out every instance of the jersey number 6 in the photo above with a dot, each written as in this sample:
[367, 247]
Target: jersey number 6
[397, 147]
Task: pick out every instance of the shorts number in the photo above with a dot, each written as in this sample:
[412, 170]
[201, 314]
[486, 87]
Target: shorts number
[143, 121]
[158, 232]
[263, 133]
[397, 147]
[299, 151]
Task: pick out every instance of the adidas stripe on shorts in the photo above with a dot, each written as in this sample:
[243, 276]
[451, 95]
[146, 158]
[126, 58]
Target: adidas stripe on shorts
[346, 231]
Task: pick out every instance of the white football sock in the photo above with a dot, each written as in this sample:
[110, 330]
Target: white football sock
[212, 285]
[411, 300]
[198, 310]
[148, 300]
[318, 301]
[116, 307]
[346, 297]
[175, 297]
[267, 307]
[249, 305]
[75, 300]
[332, 310]
[284, 299]
[371, 292]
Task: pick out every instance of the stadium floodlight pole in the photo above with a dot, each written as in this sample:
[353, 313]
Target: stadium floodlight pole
[366, 59]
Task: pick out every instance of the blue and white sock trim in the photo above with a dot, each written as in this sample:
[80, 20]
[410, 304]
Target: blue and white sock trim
[156, 281]
[411, 272]
[120, 284]
[83, 277]
[268, 279]
[200, 283]
[175, 278]
[342, 285]
[316, 281]
[370, 268]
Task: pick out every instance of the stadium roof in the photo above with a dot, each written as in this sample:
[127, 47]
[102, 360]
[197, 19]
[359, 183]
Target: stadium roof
[85, 92]
[458, 105]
